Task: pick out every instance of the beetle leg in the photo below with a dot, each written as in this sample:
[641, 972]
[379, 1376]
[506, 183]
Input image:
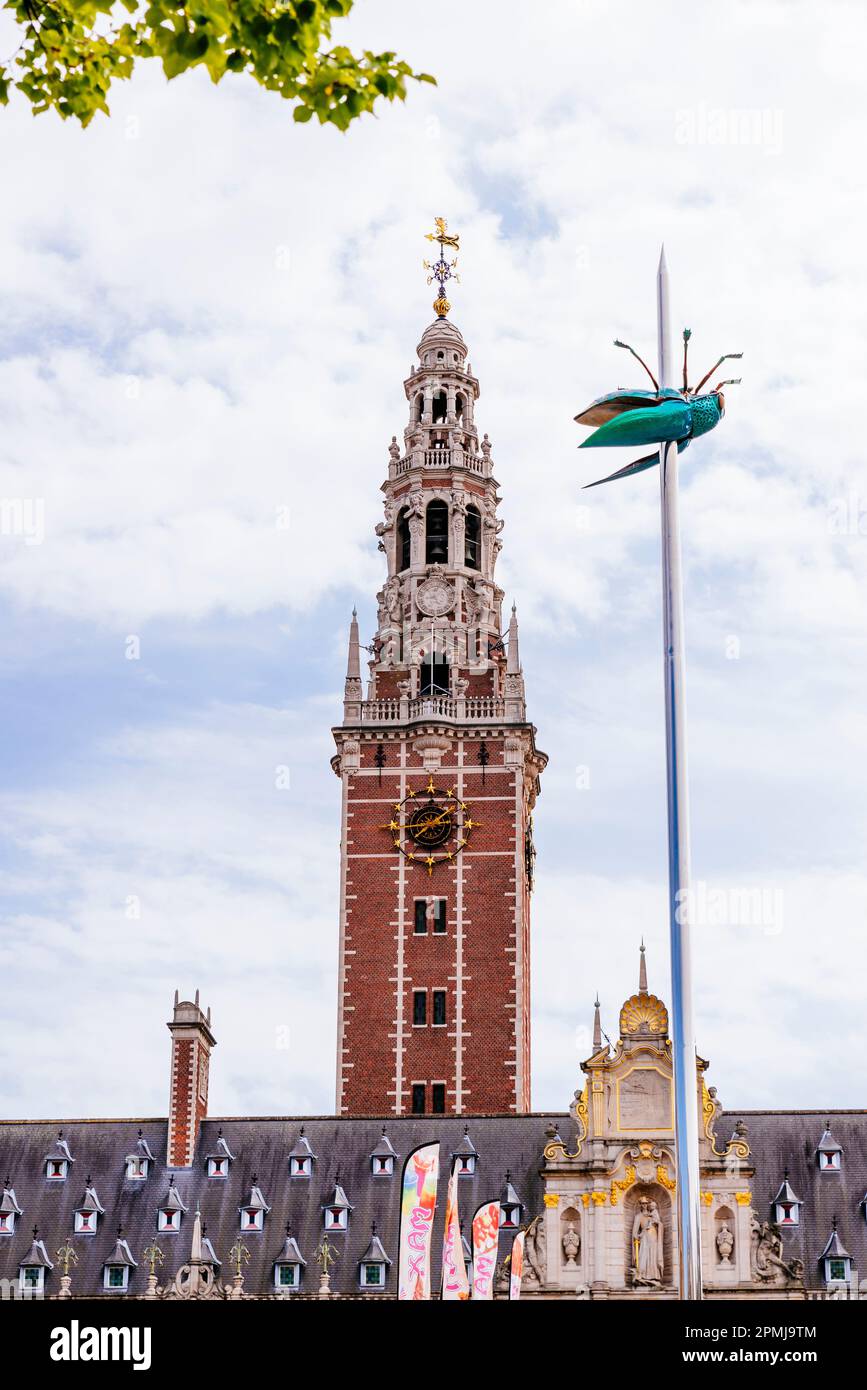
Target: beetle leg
[725, 357]
[687, 334]
[617, 343]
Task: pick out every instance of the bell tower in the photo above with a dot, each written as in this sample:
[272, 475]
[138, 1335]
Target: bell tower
[439, 772]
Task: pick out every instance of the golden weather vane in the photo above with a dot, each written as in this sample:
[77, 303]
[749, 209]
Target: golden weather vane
[442, 270]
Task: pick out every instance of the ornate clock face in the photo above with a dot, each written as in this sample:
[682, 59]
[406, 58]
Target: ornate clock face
[430, 826]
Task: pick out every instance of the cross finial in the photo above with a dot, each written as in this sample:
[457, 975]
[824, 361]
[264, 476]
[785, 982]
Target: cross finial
[442, 270]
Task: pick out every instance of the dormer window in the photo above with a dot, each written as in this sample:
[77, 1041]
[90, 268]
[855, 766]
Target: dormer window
[171, 1212]
[9, 1210]
[787, 1205]
[218, 1161]
[289, 1266]
[510, 1207]
[32, 1269]
[88, 1214]
[465, 1156]
[116, 1270]
[383, 1158]
[301, 1158]
[836, 1260]
[373, 1266]
[829, 1152]
[253, 1212]
[139, 1160]
[31, 1280]
[58, 1161]
[335, 1214]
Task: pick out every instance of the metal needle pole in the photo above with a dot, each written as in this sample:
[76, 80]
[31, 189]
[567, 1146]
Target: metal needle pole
[682, 1021]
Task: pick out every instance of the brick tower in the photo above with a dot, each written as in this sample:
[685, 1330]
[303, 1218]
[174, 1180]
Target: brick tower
[440, 772]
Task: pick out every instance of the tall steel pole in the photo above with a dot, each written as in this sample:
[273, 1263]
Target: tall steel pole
[682, 1020]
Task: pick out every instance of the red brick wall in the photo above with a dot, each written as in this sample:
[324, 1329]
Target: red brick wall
[381, 888]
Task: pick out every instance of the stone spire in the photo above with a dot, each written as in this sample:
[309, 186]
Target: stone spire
[642, 972]
[352, 688]
[513, 665]
[597, 1026]
[516, 708]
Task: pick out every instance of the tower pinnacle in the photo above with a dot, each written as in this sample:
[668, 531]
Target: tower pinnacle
[442, 270]
[642, 972]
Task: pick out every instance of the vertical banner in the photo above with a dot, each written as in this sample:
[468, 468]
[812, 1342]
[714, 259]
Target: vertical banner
[516, 1265]
[486, 1230]
[456, 1285]
[418, 1199]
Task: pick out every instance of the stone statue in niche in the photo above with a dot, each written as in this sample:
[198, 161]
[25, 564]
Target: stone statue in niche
[725, 1244]
[571, 1245]
[430, 913]
[647, 1244]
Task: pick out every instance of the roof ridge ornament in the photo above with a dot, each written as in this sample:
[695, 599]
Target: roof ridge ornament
[442, 270]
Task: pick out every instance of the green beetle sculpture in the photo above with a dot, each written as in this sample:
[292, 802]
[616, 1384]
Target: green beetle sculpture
[663, 415]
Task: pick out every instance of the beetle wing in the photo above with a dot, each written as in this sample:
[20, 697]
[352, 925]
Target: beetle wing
[615, 403]
[637, 467]
[668, 420]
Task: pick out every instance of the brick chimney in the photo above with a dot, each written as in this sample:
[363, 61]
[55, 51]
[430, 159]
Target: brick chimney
[192, 1041]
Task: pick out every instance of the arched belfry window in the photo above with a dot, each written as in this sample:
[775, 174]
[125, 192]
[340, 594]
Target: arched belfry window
[459, 406]
[473, 538]
[434, 675]
[440, 406]
[404, 543]
[437, 533]
[418, 408]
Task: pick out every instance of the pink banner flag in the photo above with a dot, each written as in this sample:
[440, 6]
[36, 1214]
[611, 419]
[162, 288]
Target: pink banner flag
[516, 1265]
[418, 1201]
[456, 1285]
[486, 1230]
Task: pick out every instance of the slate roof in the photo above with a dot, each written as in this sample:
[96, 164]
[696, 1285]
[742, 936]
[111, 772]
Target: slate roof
[782, 1139]
[779, 1140]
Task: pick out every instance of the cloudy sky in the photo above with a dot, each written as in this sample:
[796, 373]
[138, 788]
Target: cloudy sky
[207, 315]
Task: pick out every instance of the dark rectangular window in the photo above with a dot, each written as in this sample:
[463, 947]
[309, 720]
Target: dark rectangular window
[420, 916]
[439, 1007]
[418, 1099]
[440, 921]
[419, 1006]
[438, 1098]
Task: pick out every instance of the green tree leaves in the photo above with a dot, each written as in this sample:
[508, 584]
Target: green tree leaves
[72, 50]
